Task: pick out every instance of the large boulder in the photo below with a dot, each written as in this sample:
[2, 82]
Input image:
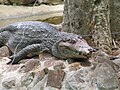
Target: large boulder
[18, 2]
[105, 77]
[51, 2]
[4, 2]
[26, 2]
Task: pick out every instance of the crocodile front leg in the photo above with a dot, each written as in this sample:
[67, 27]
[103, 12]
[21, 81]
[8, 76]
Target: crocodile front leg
[25, 51]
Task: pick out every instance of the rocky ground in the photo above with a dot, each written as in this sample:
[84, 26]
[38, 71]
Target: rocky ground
[48, 73]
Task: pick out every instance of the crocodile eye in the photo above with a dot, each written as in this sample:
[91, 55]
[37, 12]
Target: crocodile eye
[79, 37]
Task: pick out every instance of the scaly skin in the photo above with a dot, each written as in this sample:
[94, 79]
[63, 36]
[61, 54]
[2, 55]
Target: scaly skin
[37, 37]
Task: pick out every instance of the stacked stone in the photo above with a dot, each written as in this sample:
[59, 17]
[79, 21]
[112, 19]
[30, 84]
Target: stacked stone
[48, 73]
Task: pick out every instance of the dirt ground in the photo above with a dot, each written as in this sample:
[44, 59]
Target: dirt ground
[10, 14]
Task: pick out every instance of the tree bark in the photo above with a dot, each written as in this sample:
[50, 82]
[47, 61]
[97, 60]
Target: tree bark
[89, 17]
[115, 19]
[101, 19]
[75, 18]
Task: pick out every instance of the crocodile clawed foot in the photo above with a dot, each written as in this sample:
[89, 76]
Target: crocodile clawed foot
[13, 60]
[10, 62]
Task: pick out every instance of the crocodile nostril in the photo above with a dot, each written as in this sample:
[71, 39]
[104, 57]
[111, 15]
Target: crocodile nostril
[92, 50]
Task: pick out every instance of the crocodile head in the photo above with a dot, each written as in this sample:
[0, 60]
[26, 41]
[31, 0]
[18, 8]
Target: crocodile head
[72, 46]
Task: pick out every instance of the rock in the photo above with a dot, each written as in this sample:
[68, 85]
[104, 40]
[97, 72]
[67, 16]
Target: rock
[51, 2]
[40, 85]
[4, 51]
[102, 57]
[105, 77]
[29, 65]
[116, 52]
[27, 79]
[77, 80]
[10, 80]
[48, 61]
[52, 64]
[32, 78]
[5, 2]
[117, 61]
[46, 56]
[18, 2]
[12, 68]
[22, 2]
[9, 83]
[74, 66]
[85, 64]
[59, 65]
[51, 88]
[55, 78]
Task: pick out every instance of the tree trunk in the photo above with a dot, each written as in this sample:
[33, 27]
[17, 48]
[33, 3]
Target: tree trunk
[101, 19]
[75, 18]
[89, 17]
[115, 19]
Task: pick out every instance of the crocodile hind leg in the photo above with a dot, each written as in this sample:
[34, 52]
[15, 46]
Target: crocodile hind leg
[25, 51]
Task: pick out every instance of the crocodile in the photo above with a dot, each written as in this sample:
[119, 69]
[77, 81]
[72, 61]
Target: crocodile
[33, 37]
